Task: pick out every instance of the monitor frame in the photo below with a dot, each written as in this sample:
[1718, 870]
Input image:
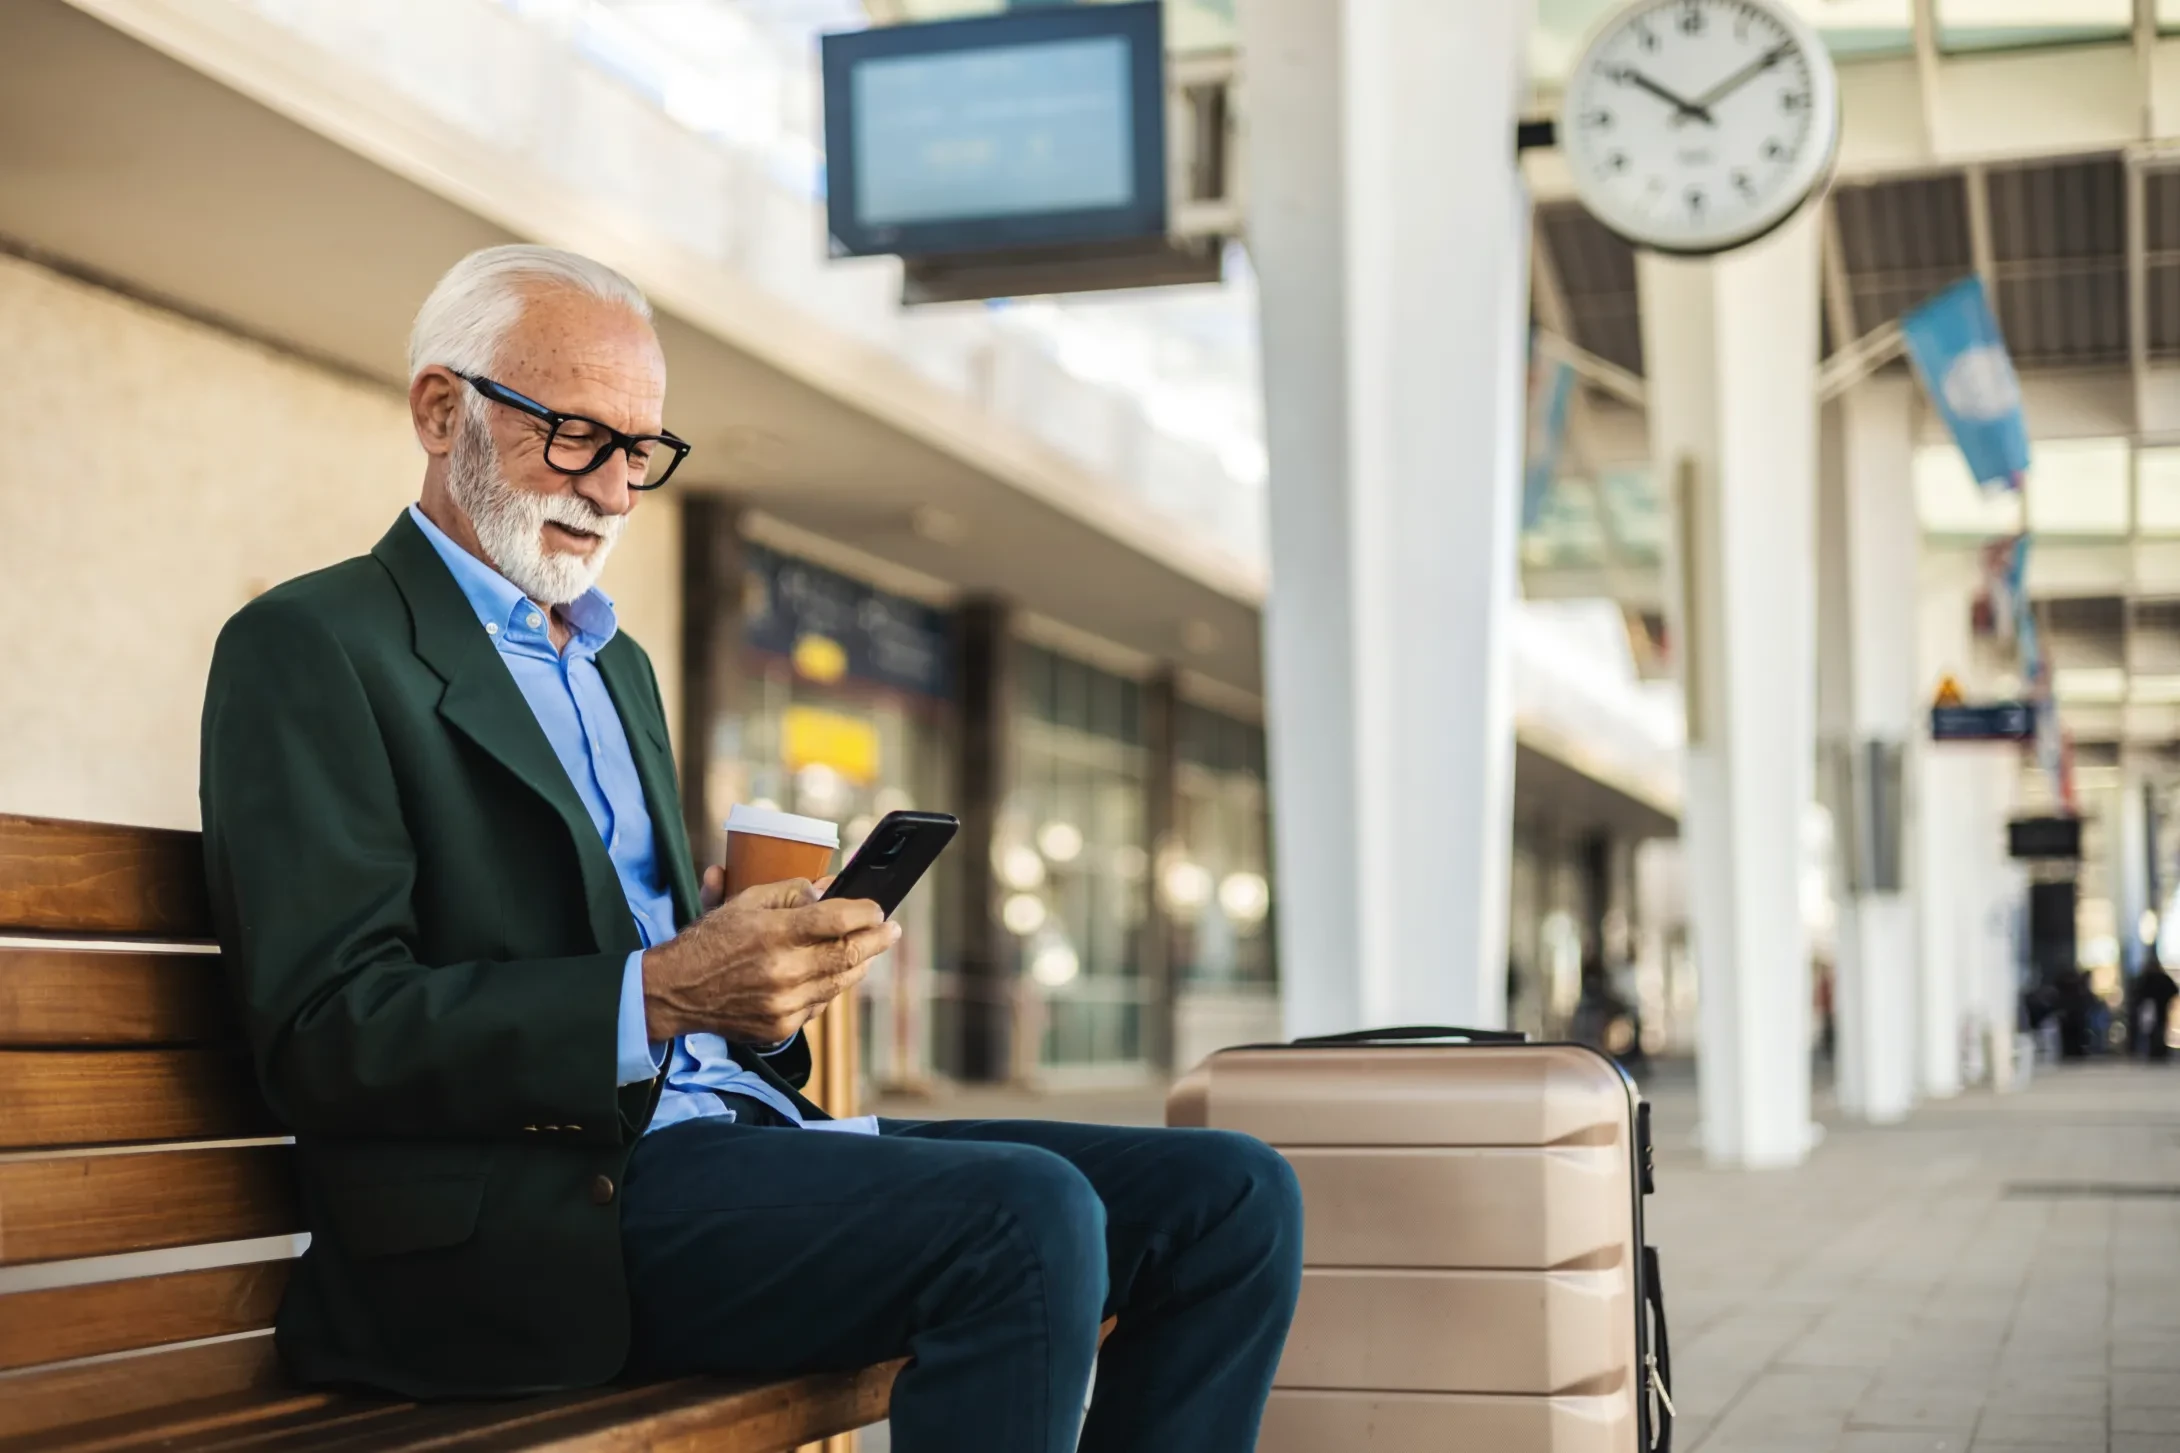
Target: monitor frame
[1140, 24]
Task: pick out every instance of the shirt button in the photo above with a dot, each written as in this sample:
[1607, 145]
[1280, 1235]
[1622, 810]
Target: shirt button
[534, 620]
[601, 1190]
[491, 628]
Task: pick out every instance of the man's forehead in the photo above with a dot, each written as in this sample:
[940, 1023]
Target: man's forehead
[564, 335]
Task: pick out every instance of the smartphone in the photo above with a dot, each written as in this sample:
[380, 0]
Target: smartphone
[898, 851]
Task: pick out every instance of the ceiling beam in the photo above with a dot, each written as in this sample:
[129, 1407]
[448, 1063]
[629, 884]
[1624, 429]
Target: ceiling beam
[1839, 301]
[2138, 296]
[1925, 27]
[1858, 360]
[1554, 315]
[1981, 253]
[1627, 387]
[2145, 38]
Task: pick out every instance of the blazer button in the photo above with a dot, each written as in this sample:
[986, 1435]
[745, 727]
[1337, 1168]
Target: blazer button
[601, 1190]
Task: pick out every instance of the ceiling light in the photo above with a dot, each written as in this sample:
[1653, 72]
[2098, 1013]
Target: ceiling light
[1019, 866]
[1060, 842]
[1023, 914]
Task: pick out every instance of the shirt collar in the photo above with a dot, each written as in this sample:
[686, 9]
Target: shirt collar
[505, 612]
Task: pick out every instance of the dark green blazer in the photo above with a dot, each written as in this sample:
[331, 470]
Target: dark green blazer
[427, 938]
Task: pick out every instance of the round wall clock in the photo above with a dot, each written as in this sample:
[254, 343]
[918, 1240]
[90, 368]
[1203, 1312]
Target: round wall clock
[1694, 126]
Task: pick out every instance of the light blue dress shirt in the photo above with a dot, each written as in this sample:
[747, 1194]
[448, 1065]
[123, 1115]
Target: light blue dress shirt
[572, 704]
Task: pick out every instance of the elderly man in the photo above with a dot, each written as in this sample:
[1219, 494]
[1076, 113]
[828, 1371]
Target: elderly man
[543, 1083]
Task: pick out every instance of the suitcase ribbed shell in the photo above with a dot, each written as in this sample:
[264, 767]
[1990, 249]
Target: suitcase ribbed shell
[1470, 1249]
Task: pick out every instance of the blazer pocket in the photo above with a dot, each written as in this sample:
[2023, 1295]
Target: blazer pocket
[388, 1217]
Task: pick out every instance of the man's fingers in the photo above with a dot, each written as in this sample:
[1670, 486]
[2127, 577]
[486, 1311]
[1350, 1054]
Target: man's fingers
[834, 918]
[713, 891]
[840, 972]
[794, 893]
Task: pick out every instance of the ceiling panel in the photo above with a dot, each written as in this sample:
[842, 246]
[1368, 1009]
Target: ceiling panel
[1597, 276]
[2058, 241]
[1901, 241]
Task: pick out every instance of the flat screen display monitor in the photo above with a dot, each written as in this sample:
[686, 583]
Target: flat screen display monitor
[1034, 127]
[2044, 837]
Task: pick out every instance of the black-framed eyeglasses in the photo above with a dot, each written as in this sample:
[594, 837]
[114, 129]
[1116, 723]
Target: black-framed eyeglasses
[577, 445]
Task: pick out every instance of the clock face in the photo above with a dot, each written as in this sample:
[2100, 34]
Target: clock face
[1698, 125]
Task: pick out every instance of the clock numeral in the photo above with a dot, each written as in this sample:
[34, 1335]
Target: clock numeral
[1695, 199]
[1616, 162]
[1599, 119]
[1741, 27]
[1645, 36]
[1692, 18]
[1774, 150]
[1794, 101]
[1742, 184]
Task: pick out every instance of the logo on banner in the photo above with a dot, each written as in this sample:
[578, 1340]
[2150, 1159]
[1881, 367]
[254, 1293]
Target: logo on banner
[1981, 385]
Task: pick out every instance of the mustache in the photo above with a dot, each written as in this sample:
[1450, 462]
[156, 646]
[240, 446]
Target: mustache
[579, 513]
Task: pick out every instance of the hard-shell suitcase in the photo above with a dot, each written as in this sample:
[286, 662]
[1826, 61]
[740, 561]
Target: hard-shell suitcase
[1475, 1275]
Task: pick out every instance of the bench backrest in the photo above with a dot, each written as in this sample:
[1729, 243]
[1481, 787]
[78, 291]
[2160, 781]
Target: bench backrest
[131, 1128]
[128, 1124]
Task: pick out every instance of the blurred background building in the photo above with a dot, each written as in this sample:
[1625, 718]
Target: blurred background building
[1013, 558]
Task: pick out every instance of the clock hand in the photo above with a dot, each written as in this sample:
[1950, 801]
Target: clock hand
[1743, 76]
[1632, 77]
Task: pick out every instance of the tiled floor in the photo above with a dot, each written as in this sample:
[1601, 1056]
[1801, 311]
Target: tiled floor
[1976, 1280]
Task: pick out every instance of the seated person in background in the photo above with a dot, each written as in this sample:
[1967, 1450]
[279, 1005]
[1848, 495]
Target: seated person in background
[544, 1083]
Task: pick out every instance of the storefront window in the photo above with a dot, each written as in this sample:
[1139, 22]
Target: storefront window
[843, 715]
[1072, 863]
[1214, 878]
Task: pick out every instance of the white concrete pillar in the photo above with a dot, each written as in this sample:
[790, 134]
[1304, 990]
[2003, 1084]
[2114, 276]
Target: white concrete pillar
[1870, 705]
[1388, 228]
[2131, 865]
[1966, 889]
[1951, 863]
[1998, 902]
[1730, 349]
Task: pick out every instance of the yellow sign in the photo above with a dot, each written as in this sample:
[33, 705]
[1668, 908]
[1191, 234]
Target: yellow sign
[1949, 692]
[814, 738]
[820, 658]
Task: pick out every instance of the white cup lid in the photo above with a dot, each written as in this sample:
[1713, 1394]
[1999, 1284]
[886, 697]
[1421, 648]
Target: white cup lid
[764, 822]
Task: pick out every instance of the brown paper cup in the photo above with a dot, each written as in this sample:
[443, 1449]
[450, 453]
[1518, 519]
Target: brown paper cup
[772, 847]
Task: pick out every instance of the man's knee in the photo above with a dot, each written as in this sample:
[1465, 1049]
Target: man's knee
[1049, 1214]
[1254, 1186]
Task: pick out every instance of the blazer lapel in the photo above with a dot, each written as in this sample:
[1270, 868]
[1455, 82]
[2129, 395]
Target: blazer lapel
[645, 727]
[482, 702]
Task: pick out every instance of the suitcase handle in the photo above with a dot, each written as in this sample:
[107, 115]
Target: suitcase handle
[1658, 1364]
[1418, 1031]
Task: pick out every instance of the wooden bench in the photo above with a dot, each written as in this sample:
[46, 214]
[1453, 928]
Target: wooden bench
[130, 1123]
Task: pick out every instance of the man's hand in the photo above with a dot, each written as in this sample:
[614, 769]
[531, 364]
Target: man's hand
[758, 967]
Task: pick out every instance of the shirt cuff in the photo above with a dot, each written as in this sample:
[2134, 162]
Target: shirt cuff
[640, 1057]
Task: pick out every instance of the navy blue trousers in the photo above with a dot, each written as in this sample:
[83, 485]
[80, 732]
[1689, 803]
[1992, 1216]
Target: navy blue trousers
[988, 1252]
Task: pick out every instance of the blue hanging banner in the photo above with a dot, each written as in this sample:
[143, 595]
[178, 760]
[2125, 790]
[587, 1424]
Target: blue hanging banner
[1551, 385]
[1954, 341]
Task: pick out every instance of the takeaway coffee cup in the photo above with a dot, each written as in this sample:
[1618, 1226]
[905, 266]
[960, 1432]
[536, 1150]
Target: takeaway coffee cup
[764, 846]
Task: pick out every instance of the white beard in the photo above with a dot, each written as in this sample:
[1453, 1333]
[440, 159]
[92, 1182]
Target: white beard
[510, 522]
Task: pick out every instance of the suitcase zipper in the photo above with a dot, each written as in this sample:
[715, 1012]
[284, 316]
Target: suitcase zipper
[1657, 1384]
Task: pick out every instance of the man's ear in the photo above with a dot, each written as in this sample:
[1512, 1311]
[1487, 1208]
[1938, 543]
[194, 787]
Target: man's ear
[435, 404]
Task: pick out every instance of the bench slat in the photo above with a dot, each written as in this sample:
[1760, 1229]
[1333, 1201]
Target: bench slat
[32, 1404]
[91, 877]
[84, 997]
[718, 1415]
[96, 1205]
[234, 1421]
[121, 1316]
[114, 1097]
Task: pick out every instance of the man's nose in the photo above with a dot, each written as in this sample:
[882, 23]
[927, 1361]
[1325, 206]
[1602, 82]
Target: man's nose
[606, 487]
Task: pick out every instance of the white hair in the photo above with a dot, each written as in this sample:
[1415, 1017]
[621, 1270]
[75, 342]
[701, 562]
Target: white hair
[479, 301]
